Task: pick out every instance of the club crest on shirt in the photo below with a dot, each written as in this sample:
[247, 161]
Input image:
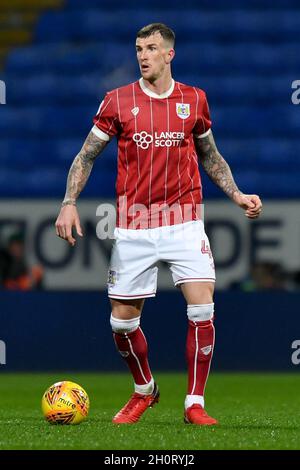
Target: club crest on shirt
[183, 110]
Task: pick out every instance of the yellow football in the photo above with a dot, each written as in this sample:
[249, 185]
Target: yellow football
[65, 403]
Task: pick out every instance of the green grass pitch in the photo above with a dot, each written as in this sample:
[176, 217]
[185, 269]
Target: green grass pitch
[255, 411]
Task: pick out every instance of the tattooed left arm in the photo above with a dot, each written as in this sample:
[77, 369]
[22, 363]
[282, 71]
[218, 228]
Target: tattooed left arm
[219, 172]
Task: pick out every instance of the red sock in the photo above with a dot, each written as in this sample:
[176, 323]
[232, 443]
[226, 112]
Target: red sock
[134, 350]
[199, 351]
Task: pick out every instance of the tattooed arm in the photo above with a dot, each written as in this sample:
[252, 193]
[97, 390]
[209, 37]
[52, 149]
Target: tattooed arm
[219, 172]
[77, 178]
[82, 167]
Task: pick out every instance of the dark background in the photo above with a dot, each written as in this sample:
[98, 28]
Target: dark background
[58, 58]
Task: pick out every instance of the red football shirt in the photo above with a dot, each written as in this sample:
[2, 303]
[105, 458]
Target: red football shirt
[158, 180]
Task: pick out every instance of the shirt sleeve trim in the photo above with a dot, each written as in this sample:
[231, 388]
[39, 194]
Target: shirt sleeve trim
[100, 134]
[201, 136]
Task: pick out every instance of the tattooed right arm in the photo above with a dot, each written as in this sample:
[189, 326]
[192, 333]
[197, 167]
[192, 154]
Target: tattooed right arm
[82, 167]
[77, 178]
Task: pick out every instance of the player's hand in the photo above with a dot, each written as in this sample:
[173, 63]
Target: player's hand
[67, 219]
[250, 202]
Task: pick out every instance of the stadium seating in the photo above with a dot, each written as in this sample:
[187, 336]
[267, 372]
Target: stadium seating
[244, 55]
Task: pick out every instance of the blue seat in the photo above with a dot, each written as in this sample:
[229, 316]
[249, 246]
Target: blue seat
[49, 89]
[33, 182]
[39, 122]
[265, 153]
[239, 88]
[244, 58]
[269, 184]
[69, 58]
[247, 58]
[95, 24]
[12, 182]
[226, 58]
[255, 122]
[19, 153]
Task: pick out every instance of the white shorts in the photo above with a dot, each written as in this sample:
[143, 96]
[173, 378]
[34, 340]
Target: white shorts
[135, 254]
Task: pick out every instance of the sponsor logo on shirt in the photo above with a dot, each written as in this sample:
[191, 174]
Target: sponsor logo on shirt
[135, 110]
[160, 139]
[183, 110]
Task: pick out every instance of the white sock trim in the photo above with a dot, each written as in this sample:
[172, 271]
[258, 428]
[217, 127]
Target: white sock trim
[124, 326]
[145, 389]
[192, 400]
[202, 312]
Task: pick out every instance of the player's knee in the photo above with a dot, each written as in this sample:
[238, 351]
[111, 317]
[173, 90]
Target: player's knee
[200, 313]
[124, 326]
[126, 309]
